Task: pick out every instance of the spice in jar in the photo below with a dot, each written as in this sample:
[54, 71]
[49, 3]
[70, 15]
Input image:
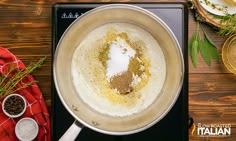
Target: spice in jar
[26, 129]
[14, 105]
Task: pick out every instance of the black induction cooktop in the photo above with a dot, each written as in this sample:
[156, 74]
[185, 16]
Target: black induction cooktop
[174, 126]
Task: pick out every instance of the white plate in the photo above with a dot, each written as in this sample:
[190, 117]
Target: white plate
[219, 4]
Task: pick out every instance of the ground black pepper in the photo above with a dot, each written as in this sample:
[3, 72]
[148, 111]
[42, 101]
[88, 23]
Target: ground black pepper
[14, 105]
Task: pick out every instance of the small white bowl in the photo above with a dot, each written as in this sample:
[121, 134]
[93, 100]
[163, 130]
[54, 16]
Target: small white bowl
[12, 115]
[26, 129]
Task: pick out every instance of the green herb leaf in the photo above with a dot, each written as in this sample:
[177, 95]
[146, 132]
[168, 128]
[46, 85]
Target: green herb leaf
[205, 51]
[193, 46]
[207, 39]
[212, 48]
[214, 53]
[193, 38]
[194, 53]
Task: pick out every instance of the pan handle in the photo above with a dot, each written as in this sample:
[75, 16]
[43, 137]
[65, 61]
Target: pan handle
[72, 132]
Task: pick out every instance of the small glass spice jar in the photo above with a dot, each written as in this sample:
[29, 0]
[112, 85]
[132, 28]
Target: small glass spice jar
[14, 105]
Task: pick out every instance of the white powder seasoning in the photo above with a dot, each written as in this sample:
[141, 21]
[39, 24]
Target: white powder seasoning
[26, 129]
[120, 53]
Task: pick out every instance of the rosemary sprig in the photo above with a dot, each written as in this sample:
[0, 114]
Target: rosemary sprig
[228, 25]
[9, 82]
[207, 48]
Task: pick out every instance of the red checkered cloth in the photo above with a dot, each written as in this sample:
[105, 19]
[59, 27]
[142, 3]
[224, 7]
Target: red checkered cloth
[36, 107]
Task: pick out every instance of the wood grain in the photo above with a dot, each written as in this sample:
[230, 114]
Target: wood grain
[25, 29]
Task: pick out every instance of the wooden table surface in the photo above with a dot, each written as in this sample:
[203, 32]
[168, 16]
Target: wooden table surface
[25, 29]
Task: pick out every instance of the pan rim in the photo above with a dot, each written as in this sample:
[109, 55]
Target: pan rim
[173, 37]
